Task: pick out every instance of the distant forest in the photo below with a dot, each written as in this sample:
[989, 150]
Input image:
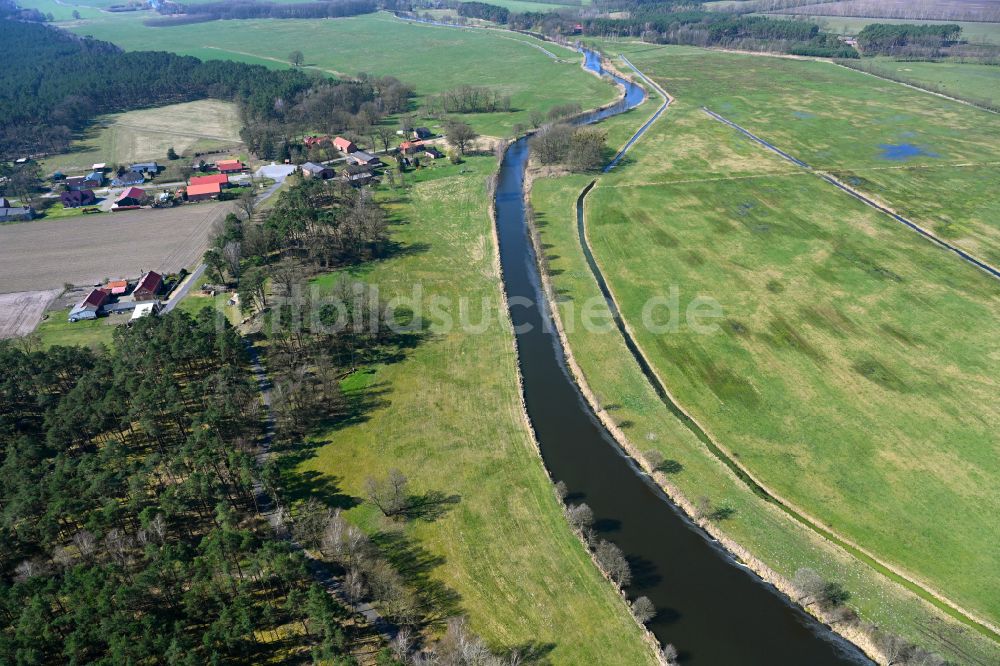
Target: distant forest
[211, 11]
[42, 108]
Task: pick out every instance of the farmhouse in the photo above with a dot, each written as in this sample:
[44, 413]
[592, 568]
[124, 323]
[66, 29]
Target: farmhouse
[128, 178]
[132, 196]
[148, 287]
[363, 158]
[422, 133]
[357, 174]
[229, 166]
[151, 168]
[432, 152]
[313, 170]
[89, 306]
[77, 198]
[220, 179]
[344, 145]
[411, 147]
[313, 141]
[16, 213]
[116, 287]
[203, 191]
[88, 182]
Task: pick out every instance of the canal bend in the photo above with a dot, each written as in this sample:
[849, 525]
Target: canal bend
[713, 609]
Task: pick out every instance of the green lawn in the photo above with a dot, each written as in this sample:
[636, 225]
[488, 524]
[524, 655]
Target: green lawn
[449, 415]
[839, 376]
[431, 58]
[975, 32]
[55, 329]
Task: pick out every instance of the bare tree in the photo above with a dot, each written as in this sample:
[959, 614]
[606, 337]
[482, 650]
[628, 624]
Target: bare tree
[296, 58]
[388, 495]
[580, 516]
[460, 135]
[232, 254]
[561, 491]
[247, 204]
[669, 654]
[892, 647]
[808, 584]
[386, 136]
[612, 561]
[643, 610]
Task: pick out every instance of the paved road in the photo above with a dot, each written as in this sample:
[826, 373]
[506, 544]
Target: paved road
[185, 287]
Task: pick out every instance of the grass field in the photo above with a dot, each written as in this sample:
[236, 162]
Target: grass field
[147, 134]
[839, 120]
[969, 81]
[839, 325]
[430, 58]
[55, 329]
[449, 416]
[974, 32]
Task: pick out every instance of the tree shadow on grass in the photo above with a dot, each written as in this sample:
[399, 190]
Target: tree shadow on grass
[531, 652]
[415, 563]
[430, 506]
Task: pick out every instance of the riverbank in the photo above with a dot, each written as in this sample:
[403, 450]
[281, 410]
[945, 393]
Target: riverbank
[627, 403]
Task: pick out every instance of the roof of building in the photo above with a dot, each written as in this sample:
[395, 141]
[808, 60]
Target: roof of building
[99, 166]
[96, 175]
[12, 211]
[145, 309]
[95, 299]
[219, 178]
[312, 166]
[204, 188]
[363, 156]
[357, 168]
[151, 281]
[114, 284]
[131, 193]
[343, 144]
[144, 166]
[129, 178]
[222, 165]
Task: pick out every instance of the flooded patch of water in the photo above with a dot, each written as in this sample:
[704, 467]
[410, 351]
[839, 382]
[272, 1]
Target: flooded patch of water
[900, 152]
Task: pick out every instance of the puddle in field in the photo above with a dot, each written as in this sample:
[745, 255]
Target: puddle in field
[900, 152]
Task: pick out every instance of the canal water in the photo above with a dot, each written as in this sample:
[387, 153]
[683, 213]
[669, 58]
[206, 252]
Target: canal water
[712, 609]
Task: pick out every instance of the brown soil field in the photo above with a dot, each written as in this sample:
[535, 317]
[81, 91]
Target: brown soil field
[20, 312]
[92, 248]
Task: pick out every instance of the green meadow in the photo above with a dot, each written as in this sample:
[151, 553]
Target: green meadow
[964, 80]
[870, 131]
[432, 59]
[839, 374]
[503, 545]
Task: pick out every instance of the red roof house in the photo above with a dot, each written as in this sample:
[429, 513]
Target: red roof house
[411, 147]
[116, 287]
[344, 145]
[149, 286]
[311, 141]
[229, 166]
[133, 196]
[202, 192]
[217, 178]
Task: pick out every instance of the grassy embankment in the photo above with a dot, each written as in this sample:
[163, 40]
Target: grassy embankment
[838, 327]
[972, 82]
[135, 136]
[449, 416]
[432, 59]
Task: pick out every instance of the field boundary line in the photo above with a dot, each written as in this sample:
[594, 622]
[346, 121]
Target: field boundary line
[914, 86]
[273, 59]
[907, 581]
[856, 194]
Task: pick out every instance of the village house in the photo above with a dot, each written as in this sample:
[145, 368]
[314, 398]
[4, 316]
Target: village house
[203, 191]
[229, 166]
[432, 152]
[314, 141]
[357, 174]
[87, 182]
[148, 287]
[145, 310]
[132, 196]
[422, 133]
[128, 178]
[411, 147]
[149, 168]
[313, 170]
[364, 158]
[220, 179]
[116, 287]
[90, 306]
[77, 198]
[345, 146]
